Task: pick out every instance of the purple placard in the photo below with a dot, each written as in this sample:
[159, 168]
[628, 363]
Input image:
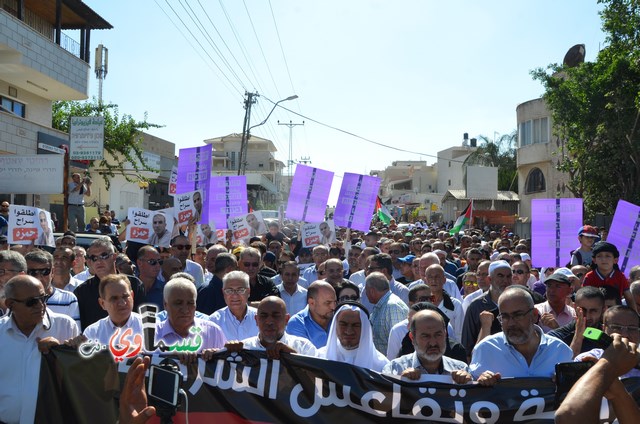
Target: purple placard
[194, 173]
[624, 234]
[309, 194]
[357, 201]
[227, 199]
[554, 231]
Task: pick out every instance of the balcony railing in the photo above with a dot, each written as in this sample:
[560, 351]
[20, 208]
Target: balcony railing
[69, 44]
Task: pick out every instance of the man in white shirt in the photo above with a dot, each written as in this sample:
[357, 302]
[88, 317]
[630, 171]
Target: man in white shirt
[293, 294]
[117, 299]
[27, 332]
[237, 319]
[272, 319]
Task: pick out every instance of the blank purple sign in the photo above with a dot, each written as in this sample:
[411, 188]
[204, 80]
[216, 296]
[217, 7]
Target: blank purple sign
[624, 235]
[309, 194]
[357, 201]
[554, 231]
[227, 199]
[194, 172]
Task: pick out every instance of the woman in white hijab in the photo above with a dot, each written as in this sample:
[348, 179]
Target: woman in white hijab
[350, 339]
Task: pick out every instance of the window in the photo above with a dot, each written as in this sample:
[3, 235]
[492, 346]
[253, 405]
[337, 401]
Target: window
[449, 164]
[12, 106]
[534, 131]
[535, 181]
[233, 160]
[449, 182]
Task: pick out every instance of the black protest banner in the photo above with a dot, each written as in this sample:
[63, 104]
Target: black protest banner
[247, 387]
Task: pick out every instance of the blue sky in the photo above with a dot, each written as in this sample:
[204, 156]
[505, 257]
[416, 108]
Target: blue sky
[412, 74]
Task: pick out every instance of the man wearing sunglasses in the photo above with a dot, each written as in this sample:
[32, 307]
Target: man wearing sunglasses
[102, 259]
[181, 249]
[40, 266]
[261, 286]
[25, 333]
[149, 265]
[11, 264]
[521, 349]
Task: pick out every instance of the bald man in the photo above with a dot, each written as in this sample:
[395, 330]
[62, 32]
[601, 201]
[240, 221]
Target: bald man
[272, 318]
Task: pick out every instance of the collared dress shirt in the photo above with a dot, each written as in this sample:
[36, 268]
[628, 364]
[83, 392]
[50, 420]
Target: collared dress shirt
[233, 328]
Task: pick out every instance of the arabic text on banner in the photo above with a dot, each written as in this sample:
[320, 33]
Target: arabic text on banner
[227, 199]
[309, 194]
[357, 201]
[554, 230]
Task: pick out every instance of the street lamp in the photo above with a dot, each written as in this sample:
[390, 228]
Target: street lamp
[246, 132]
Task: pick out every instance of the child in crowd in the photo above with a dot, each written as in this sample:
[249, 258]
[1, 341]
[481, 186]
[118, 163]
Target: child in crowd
[587, 236]
[605, 271]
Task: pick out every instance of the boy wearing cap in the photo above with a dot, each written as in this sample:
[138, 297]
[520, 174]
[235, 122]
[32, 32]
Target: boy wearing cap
[605, 271]
[587, 235]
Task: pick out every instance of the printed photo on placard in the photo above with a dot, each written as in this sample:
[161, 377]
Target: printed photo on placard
[207, 234]
[318, 233]
[188, 206]
[247, 226]
[162, 228]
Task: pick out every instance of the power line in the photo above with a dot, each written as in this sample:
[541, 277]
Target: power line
[368, 140]
[255, 33]
[284, 57]
[207, 37]
[225, 43]
[201, 46]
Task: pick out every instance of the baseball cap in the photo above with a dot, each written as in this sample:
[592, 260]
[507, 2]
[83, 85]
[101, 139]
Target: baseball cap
[558, 277]
[407, 259]
[588, 231]
[566, 272]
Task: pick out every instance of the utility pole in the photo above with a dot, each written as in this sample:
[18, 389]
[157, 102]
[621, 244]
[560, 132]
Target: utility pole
[290, 125]
[242, 160]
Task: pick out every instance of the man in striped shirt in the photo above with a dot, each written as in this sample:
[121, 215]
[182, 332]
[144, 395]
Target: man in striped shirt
[40, 266]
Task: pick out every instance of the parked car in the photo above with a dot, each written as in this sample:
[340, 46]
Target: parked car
[85, 240]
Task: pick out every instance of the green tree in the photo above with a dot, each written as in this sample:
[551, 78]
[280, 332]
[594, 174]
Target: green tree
[501, 153]
[122, 137]
[596, 113]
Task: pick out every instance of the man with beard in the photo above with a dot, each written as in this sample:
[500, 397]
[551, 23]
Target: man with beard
[272, 319]
[351, 339]
[521, 349]
[429, 337]
[479, 317]
[313, 322]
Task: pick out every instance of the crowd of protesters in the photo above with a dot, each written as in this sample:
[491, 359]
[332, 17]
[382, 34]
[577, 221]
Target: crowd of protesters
[407, 300]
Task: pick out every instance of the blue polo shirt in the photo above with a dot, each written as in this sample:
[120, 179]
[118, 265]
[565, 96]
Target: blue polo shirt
[302, 325]
[495, 353]
[155, 294]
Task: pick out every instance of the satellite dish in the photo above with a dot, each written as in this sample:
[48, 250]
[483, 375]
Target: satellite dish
[575, 56]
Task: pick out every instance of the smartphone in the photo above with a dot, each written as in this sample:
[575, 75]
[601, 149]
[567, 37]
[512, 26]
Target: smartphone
[163, 385]
[598, 336]
[567, 373]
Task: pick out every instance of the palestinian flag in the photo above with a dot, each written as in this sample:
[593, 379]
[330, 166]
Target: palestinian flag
[382, 211]
[462, 220]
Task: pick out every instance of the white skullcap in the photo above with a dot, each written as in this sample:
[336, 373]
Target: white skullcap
[497, 265]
